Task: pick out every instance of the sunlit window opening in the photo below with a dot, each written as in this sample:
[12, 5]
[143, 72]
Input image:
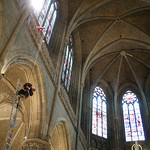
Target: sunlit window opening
[46, 16]
[67, 66]
[37, 4]
[132, 117]
[99, 113]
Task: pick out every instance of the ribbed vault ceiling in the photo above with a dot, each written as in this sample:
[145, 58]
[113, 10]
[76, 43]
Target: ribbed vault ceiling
[115, 39]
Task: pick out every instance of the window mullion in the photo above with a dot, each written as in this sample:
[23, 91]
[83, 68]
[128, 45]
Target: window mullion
[136, 123]
[97, 116]
[50, 20]
[48, 9]
[129, 120]
[133, 130]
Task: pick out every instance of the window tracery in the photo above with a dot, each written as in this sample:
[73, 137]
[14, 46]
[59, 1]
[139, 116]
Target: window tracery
[132, 117]
[99, 113]
[46, 17]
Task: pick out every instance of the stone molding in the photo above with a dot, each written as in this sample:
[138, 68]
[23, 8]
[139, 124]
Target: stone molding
[36, 38]
[65, 101]
[31, 26]
[32, 144]
[20, 4]
[66, 40]
[82, 84]
[82, 139]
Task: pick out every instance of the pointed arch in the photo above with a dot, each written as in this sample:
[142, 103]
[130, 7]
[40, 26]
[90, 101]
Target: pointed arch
[20, 66]
[99, 113]
[132, 117]
[60, 135]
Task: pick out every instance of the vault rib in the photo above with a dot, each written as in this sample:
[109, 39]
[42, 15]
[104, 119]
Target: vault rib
[139, 85]
[142, 62]
[133, 26]
[135, 11]
[73, 18]
[93, 19]
[104, 56]
[130, 66]
[108, 66]
[91, 53]
[138, 50]
[117, 85]
[96, 55]
[17, 132]
[8, 83]
[90, 10]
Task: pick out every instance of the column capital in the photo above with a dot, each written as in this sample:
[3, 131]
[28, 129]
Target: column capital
[82, 84]
[35, 143]
[66, 40]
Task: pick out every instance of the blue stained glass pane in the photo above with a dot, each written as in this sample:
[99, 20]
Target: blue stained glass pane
[67, 71]
[67, 66]
[99, 113]
[69, 77]
[132, 117]
[65, 62]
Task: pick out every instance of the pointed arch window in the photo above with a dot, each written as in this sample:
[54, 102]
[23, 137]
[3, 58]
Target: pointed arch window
[67, 66]
[46, 17]
[132, 117]
[99, 113]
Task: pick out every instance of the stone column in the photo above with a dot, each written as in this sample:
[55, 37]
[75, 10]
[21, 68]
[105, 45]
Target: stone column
[79, 115]
[32, 144]
[117, 134]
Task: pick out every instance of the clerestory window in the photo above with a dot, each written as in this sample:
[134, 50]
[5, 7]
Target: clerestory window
[46, 17]
[67, 66]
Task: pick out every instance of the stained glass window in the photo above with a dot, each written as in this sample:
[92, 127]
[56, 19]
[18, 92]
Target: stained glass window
[132, 117]
[99, 113]
[67, 66]
[46, 18]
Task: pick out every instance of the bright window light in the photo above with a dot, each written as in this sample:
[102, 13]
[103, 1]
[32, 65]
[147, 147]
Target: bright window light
[37, 4]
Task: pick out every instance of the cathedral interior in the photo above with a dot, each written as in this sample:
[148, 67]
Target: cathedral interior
[89, 61]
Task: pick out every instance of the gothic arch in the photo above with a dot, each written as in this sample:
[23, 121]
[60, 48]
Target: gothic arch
[141, 100]
[60, 136]
[140, 94]
[34, 108]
